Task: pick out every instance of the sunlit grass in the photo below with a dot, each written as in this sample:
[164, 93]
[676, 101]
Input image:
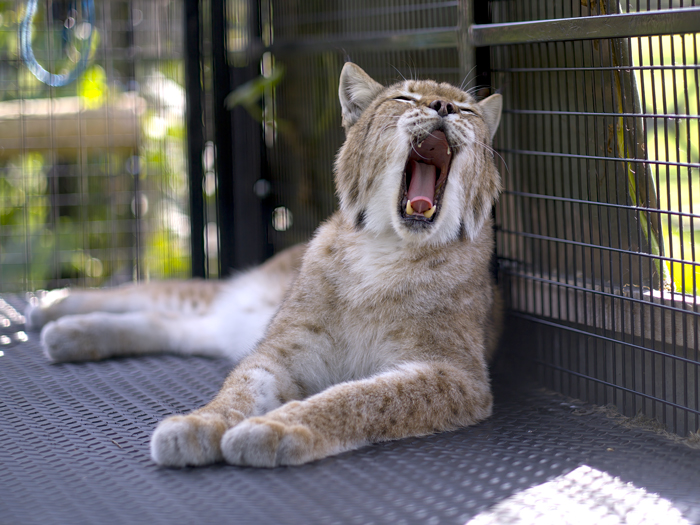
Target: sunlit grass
[675, 139]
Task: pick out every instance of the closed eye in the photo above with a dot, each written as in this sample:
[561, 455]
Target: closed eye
[465, 109]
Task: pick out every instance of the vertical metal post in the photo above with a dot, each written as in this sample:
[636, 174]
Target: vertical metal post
[482, 55]
[135, 167]
[476, 68]
[223, 138]
[239, 147]
[248, 149]
[467, 60]
[195, 133]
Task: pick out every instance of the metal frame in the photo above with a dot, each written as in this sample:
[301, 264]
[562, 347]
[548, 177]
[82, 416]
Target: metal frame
[662, 22]
[239, 157]
[223, 138]
[195, 134]
[588, 284]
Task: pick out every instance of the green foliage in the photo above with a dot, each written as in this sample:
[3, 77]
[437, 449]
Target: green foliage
[69, 215]
[673, 92]
[251, 93]
[167, 255]
[25, 249]
[8, 30]
[92, 87]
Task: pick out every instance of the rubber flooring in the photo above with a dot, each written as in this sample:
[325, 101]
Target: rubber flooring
[75, 440]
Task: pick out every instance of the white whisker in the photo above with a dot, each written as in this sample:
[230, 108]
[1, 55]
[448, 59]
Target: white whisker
[465, 82]
[399, 72]
[494, 152]
[474, 89]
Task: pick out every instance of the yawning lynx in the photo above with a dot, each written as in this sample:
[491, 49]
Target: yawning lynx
[379, 329]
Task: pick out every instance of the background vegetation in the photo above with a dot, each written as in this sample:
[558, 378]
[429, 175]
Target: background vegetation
[674, 139]
[93, 215]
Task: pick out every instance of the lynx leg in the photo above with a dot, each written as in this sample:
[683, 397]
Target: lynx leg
[255, 387]
[192, 296]
[100, 335]
[414, 399]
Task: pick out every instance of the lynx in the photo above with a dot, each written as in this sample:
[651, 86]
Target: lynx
[380, 328]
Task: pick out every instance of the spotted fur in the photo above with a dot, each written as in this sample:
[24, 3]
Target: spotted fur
[386, 330]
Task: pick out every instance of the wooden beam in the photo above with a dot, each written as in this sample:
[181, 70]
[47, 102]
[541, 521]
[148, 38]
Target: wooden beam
[62, 123]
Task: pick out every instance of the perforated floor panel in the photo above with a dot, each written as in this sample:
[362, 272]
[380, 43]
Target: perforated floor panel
[75, 437]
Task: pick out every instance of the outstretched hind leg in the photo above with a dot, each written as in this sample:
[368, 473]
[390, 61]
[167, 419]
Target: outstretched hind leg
[100, 335]
[193, 296]
[265, 284]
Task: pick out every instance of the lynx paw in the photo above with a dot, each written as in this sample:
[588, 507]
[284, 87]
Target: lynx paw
[42, 311]
[35, 318]
[188, 440]
[264, 442]
[74, 338]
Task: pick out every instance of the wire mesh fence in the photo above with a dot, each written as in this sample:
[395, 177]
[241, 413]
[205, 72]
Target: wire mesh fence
[596, 225]
[311, 41]
[598, 146]
[93, 181]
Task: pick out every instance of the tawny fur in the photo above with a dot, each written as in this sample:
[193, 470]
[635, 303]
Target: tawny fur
[386, 324]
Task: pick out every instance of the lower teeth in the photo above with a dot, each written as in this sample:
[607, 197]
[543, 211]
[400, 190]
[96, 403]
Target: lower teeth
[426, 214]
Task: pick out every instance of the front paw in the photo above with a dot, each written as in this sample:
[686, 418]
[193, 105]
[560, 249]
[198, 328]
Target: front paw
[264, 442]
[193, 440]
[75, 338]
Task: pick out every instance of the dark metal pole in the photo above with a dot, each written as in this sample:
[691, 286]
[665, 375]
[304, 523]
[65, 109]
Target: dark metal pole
[239, 148]
[223, 138]
[195, 134]
[248, 150]
[482, 15]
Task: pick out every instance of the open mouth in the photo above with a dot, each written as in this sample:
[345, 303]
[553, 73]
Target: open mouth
[425, 177]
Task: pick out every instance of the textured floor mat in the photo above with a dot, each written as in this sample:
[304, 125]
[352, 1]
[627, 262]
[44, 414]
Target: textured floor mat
[75, 450]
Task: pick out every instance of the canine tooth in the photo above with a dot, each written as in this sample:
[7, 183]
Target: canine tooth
[449, 151]
[420, 144]
[409, 208]
[429, 213]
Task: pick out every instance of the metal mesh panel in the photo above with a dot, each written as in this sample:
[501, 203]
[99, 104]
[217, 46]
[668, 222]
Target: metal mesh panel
[596, 225]
[93, 183]
[343, 18]
[599, 141]
[312, 40]
[595, 229]
[76, 450]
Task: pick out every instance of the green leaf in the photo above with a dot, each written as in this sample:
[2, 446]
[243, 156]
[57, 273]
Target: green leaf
[248, 94]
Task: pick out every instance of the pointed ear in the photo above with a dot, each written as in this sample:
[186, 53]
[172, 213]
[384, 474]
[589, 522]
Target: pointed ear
[491, 111]
[356, 91]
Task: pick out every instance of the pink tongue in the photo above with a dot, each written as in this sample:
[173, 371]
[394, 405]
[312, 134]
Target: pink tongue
[421, 192]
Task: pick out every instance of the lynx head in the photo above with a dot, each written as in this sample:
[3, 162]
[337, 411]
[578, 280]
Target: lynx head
[417, 158]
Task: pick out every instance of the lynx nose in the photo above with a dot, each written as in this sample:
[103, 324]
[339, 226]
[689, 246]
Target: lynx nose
[443, 108]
